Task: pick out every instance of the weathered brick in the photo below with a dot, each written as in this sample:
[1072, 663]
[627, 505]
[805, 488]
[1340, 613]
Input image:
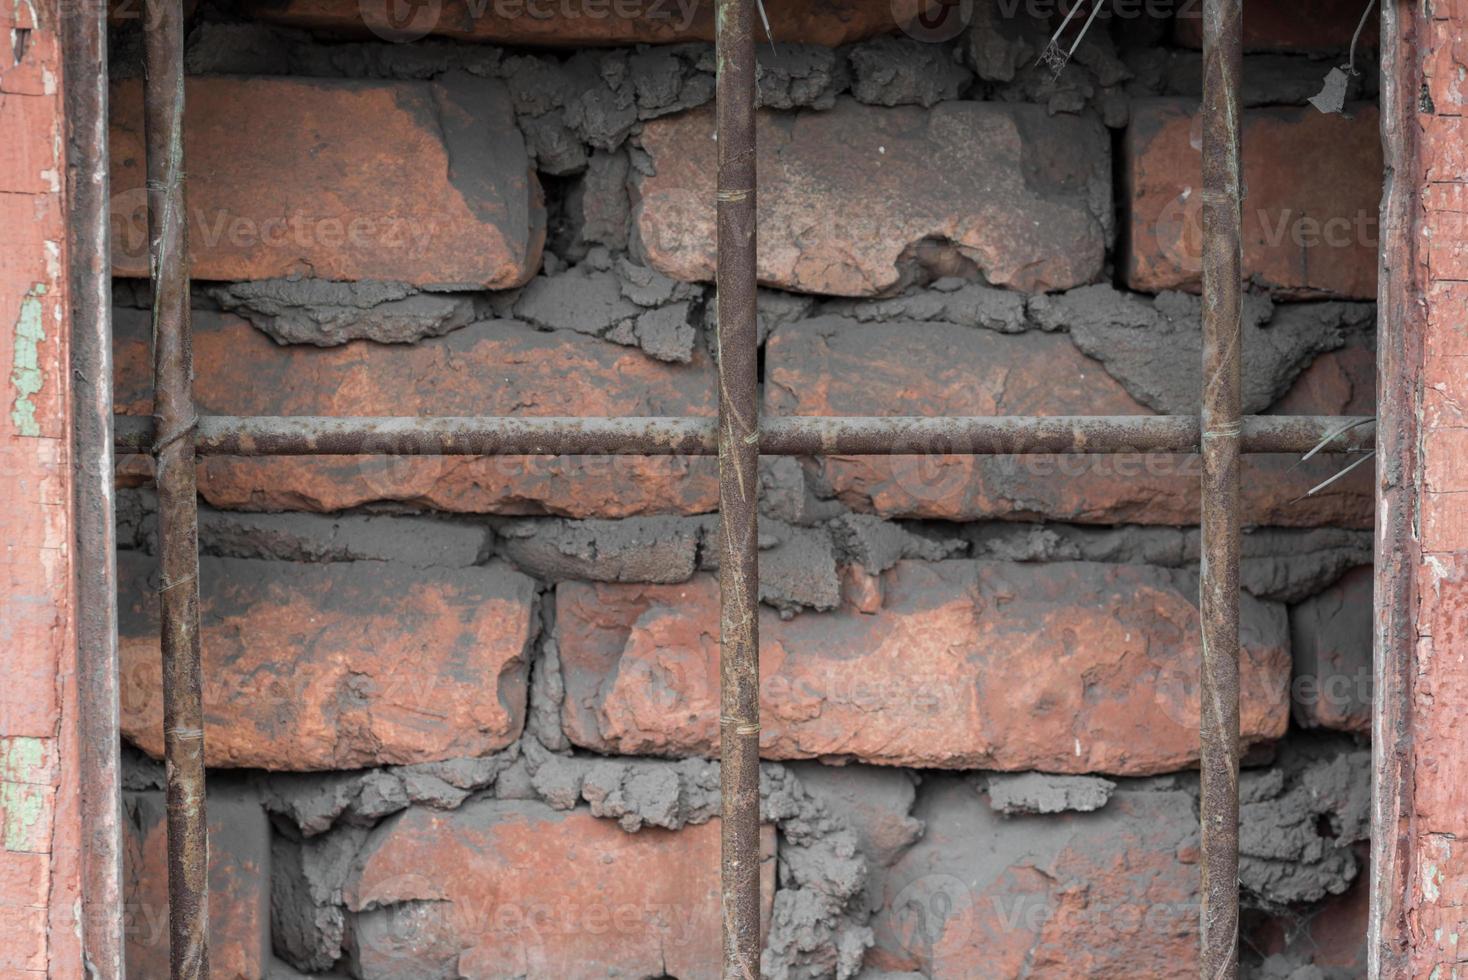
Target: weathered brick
[239, 885]
[338, 666]
[1065, 667]
[487, 368]
[1330, 639]
[422, 182]
[1310, 217]
[1095, 895]
[580, 23]
[831, 366]
[1331, 937]
[1445, 459]
[509, 888]
[851, 199]
[1304, 25]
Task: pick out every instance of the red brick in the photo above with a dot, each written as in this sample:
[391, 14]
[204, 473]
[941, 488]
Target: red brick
[22, 943]
[1070, 667]
[579, 23]
[338, 666]
[1445, 460]
[1332, 937]
[837, 367]
[1443, 405]
[1444, 64]
[1444, 147]
[1310, 215]
[422, 182]
[518, 889]
[1301, 25]
[1446, 230]
[1444, 521]
[488, 368]
[1086, 896]
[1447, 320]
[846, 196]
[239, 886]
[1439, 724]
[1330, 639]
[24, 880]
[1339, 382]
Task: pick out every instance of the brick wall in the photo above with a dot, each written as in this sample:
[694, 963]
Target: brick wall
[1425, 933]
[39, 830]
[460, 711]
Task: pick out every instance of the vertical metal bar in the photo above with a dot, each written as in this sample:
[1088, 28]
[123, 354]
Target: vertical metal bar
[1400, 330]
[84, 50]
[738, 492]
[178, 517]
[1219, 581]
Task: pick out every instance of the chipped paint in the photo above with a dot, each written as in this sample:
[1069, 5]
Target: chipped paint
[25, 373]
[24, 803]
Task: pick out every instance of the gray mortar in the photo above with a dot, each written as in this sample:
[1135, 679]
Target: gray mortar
[326, 313]
[878, 544]
[636, 549]
[797, 566]
[773, 309]
[842, 830]
[967, 304]
[599, 206]
[620, 302]
[1283, 564]
[1153, 346]
[797, 76]
[239, 49]
[1331, 639]
[1004, 51]
[1013, 794]
[819, 924]
[419, 541]
[1284, 859]
[893, 71]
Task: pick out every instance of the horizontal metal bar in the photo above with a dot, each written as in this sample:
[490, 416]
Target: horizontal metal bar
[223, 435]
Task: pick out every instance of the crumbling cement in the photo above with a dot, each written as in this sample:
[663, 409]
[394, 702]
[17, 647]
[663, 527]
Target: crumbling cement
[957, 301]
[327, 314]
[1283, 564]
[422, 542]
[632, 306]
[819, 923]
[878, 544]
[905, 71]
[1299, 819]
[636, 549]
[1013, 794]
[1153, 346]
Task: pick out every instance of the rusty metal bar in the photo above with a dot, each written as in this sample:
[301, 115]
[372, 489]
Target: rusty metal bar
[220, 435]
[738, 441]
[1221, 422]
[84, 53]
[178, 516]
[1401, 327]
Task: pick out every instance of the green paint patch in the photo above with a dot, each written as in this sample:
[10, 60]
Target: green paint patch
[25, 804]
[25, 370]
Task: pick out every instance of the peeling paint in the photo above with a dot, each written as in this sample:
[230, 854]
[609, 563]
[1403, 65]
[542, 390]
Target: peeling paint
[24, 803]
[25, 372]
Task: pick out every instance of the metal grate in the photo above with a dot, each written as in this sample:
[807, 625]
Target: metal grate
[176, 435]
